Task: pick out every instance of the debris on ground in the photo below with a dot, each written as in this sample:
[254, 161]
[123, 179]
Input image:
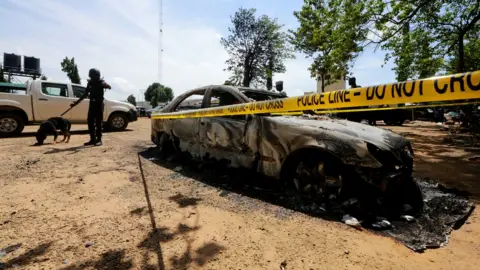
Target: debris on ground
[475, 158]
[444, 211]
[382, 225]
[351, 221]
[178, 169]
[283, 265]
[407, 218]
[223, 193]
[89, 244]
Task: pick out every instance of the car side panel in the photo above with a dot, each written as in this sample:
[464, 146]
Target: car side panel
[224, 138]
[186, 130]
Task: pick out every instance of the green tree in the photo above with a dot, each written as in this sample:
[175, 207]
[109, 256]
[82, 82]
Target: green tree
[157, 92]
[132, 100]
[472, 56]
[332, 33]
[255, 45]
[150, 91]
[70, 67]
[164, 94]
[43, 77]
[440, 29]
[236, 79]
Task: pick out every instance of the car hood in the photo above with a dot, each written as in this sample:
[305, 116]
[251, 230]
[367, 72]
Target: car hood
[120, 103]
[382, 138]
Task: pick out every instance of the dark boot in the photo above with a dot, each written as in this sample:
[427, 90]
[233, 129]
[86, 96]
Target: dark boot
[98, 143]
[91, 142]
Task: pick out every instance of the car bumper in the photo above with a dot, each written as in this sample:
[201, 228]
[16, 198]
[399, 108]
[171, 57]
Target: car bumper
[132, 116]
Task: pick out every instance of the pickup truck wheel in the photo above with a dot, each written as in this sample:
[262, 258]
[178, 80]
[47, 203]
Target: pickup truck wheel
[11, 125]
[117, 122]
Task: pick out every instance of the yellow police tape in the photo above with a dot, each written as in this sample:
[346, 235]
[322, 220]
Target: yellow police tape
[445, 88]
[383, 109]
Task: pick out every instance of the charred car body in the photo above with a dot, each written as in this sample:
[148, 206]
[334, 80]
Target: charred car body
[336, 160]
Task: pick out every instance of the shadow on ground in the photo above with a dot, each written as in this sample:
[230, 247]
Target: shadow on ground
[236, 181]
[31, 256]
[72, 150]
[450, 158]
[73, 132]
[151, 245]
[444, 210]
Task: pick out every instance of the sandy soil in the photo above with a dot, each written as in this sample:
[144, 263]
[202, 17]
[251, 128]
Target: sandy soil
[72, 207]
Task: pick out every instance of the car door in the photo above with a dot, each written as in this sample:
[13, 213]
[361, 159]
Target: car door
[52, 100]
[225, 137]
[79, 112]
[186, 129]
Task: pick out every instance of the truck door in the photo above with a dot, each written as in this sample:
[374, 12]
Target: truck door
[79, 112]
[51, 101]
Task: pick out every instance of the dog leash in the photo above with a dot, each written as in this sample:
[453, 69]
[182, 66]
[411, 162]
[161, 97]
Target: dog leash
[68, 110]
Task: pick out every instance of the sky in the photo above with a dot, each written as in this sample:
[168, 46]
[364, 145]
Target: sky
[120, 38]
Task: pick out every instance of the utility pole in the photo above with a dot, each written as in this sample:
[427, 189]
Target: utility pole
[160, 44]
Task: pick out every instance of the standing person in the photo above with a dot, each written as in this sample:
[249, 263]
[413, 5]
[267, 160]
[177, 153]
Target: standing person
[94, 91]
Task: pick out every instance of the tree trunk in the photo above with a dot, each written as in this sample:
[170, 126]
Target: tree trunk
[246, 78]
[461, 54]
[270, 75]
[246, 72]
[323, 82]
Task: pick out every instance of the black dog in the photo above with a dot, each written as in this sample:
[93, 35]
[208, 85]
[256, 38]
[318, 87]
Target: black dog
[51, 126]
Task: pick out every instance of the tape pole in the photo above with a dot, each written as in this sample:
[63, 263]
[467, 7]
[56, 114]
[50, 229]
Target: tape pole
[464, 86]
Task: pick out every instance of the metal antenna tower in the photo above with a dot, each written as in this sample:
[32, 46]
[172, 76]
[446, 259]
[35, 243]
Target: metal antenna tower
[160, 43]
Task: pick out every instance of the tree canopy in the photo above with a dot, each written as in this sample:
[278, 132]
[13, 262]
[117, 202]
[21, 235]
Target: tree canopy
[132, 100]
[332, 33]
[434, 36]
[257, 48]
[70, 67]
[157, 92]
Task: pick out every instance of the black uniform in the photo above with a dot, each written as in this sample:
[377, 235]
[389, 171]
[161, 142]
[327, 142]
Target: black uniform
[95, 109]
[95, 92]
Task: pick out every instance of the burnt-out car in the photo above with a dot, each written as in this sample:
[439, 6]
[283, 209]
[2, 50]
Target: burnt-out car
[330, 158]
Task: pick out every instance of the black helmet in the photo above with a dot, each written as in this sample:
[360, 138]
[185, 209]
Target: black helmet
[94, 74]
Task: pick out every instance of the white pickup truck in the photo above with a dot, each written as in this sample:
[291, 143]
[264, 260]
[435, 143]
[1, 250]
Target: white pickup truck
[40, 100]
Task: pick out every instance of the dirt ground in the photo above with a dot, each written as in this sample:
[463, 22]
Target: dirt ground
[75, 207]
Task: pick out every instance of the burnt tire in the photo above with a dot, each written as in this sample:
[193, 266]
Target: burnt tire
[309, 173]
[165, 145]
[11, 124]
[404, 197]
[117, 122]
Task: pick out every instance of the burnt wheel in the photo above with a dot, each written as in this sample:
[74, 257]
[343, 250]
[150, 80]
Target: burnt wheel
[309, 177]
[404, 197]
[315, 175]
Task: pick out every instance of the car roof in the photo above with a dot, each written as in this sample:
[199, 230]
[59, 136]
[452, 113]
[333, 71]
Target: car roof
[259, 91]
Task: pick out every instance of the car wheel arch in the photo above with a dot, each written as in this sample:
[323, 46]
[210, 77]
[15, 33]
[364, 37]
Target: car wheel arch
[15, 110]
